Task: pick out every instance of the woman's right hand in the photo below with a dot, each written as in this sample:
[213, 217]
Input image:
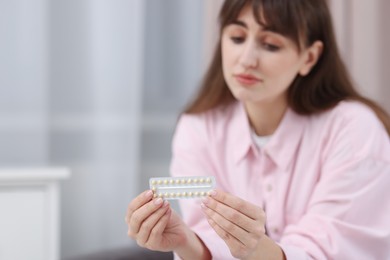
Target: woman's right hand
[153, 224]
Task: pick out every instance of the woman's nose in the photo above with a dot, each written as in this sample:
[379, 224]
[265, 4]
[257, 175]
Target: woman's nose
[248, 57]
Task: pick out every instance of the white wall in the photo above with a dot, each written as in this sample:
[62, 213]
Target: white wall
[23, 82]
[96, 94]
[71, 77]
[173, 69]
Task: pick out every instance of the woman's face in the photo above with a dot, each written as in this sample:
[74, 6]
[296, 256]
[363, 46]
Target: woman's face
[259, 65]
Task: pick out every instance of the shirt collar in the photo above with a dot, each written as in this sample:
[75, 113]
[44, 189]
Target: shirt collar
[283, 143]
[241, 132]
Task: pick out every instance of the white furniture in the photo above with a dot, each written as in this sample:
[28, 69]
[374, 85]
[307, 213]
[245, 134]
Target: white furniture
[29, 213]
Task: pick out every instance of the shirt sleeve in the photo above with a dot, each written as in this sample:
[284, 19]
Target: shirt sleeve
[348, 216]
[191, 157]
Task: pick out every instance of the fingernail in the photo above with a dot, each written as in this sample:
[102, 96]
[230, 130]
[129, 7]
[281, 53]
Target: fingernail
[148, 194]
[158, 201]
[213, 193]
[205, 200]
[166, 203]
[202, 205]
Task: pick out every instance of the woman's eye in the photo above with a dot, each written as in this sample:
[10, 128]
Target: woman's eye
[237, 39]
[270, 47]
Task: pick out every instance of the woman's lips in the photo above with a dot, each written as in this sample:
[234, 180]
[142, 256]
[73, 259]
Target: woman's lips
[247, 79]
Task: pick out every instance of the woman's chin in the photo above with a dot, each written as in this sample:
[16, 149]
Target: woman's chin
[245, 95]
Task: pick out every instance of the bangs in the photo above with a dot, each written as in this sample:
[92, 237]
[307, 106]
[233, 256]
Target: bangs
[280, 16]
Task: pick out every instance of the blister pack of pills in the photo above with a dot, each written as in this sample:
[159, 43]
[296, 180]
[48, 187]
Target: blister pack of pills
[182, 187]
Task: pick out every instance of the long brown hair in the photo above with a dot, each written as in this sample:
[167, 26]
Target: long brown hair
[303, 21]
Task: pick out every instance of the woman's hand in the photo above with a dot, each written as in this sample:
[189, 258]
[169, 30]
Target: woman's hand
[241, 225]
[153, 224]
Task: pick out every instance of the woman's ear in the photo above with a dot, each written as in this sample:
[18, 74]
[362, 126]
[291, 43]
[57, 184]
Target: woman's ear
[312, 54]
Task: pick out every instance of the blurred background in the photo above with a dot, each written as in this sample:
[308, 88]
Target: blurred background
[96, 86]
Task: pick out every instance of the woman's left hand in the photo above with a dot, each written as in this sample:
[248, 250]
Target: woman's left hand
[239, 223]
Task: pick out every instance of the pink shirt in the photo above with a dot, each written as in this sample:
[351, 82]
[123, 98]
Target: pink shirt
[323, 180]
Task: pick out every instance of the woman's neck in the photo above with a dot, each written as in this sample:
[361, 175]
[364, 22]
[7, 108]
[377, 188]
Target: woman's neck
[265, 117]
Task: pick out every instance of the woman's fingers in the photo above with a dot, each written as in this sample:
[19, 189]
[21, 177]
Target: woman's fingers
[138, 202]
[230, 214]
[239, 223]
[142, 213]
[158, 230]
[232, 242]
[246, 208]
[244, 214]
[148, 224]
[231, 226]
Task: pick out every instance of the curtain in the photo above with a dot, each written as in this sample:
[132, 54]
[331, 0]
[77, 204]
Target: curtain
[71, 77]
[363, 36]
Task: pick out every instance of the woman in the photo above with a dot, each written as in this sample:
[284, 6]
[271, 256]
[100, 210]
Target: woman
[301, 159]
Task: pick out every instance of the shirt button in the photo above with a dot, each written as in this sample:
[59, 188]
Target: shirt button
[269, 187]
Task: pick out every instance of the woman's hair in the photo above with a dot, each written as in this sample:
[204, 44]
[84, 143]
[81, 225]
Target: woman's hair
[304, 22]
